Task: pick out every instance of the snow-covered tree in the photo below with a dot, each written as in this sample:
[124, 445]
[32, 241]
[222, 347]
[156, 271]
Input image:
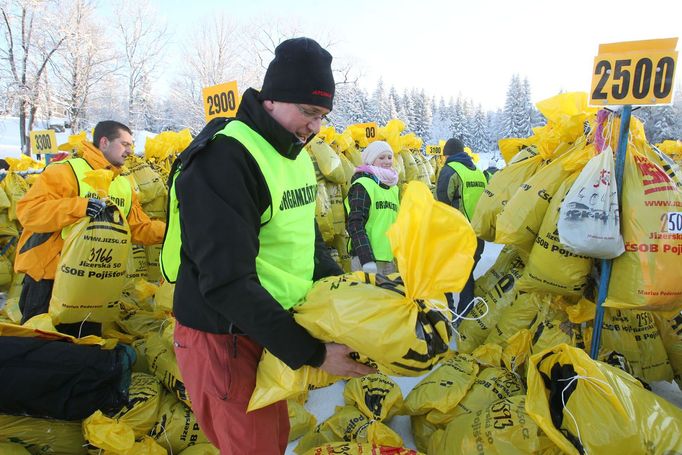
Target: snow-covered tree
[480, 135]
[517, 109]
[83, 61]
[143, 39]
[32, 31]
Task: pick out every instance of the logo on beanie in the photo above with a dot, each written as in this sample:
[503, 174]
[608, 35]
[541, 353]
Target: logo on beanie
[321, 93]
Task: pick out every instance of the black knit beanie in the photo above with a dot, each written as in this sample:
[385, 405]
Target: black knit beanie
[453, 146]
[301, 72]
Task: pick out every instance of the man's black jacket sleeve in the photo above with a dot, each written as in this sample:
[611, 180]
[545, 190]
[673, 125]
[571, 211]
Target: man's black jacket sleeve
[221, 194]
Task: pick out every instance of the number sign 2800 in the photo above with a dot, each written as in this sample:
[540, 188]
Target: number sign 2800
[641, 79]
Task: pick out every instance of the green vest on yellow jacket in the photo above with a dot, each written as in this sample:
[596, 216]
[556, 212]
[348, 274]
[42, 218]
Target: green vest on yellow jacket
[285, 260]
[120, 191]
[382, 214]
[473, 184]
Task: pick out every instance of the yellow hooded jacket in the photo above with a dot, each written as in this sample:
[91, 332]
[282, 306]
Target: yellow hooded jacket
[53, 203]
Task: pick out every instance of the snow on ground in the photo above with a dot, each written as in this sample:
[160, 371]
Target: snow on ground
[322, 402]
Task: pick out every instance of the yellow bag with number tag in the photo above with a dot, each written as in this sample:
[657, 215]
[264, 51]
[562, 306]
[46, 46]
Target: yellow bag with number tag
[176, 428]
[356, 448]
[670, 329]
[507, 429]
[300, 420]
[645, 277]
[92, 269]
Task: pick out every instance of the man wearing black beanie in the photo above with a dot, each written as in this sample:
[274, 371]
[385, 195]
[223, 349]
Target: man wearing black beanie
[460, 185]
[247, 250]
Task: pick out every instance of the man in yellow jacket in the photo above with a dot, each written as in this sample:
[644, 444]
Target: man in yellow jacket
[54, 202]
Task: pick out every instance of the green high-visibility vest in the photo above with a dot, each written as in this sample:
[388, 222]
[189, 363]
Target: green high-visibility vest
[120, 191]
[473, 184]
[285, 260]
[382, 214]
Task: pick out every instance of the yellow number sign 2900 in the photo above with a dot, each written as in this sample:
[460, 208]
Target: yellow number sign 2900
[220, 100]
[634, 72]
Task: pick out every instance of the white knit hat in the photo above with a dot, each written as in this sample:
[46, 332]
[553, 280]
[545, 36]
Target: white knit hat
[373, 150]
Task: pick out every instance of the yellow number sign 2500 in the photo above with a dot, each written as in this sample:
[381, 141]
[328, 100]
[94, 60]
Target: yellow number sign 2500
[634, 72]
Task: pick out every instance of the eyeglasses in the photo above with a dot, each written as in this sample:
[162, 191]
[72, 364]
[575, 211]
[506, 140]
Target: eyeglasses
[311, 114]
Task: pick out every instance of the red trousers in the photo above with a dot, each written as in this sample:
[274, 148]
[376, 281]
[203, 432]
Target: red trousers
[219, 372]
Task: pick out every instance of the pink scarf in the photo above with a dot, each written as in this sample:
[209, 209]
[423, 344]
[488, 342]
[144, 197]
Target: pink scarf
[388, 177]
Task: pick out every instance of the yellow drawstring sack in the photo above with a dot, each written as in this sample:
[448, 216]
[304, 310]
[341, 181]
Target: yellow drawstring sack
[15, 188]
[520, 314]
[433, 245]
[153, 268]
[143, 404]
[586, 406]
[411, 168]
[323, 214]
[43, 436]
[670, 329]
[11, 308]
[646, 276]
[501, 428]
[176, 428]
[499, 191]
[354, 155]
[543, 272]
[327, 160]
[117, 438]
[496, 288]
[377, 396]
[92, 268]
[338, 211]
[10, 448]
[300, 420]
[149, 181]
[520, 220]
[163, 298]
[444, 388]
[351, 425]
[162, 362]
[41, 326]
[356, 448]
[156, 208]
[201, 449]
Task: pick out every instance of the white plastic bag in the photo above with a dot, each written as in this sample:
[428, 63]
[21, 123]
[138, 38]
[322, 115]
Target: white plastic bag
[589, 220]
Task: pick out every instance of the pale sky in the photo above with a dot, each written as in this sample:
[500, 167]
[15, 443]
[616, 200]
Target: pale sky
[470, 47]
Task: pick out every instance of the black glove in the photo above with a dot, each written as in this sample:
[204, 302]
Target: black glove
[95, 207]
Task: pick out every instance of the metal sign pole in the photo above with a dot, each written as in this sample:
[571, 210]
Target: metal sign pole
[606, 264]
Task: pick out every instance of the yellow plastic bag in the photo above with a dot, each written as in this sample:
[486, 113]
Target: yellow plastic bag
[433, 244]
[328, 161]
[275, 381]
[349, 424]
[356, 448]
[520, 220]
[149, 181]
[586, 406]
[377, 396]
[162, 363]
[143, 404]
[542, 273]
[10, 448]
[176, 428]
[201, 449]
[300, 420]
[323, 214]
[491, 384]
[92, 269]
[498, 192]
[444, 388]
[43, 436]
[156, 208]
[153, 255]
[411, 168]
[503, 428]
[41, 326]
[670, 330]
[107, 434]
[644, 277]
[338, 211]
[163, 298]
[496, 288]
[15, 188]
